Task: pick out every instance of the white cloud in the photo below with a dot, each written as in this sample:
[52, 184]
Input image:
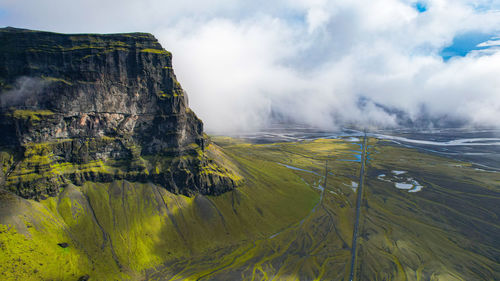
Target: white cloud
[489, 43]
[316, 17]
[308, 61]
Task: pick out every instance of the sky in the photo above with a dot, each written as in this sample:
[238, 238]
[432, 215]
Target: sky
[370, 63]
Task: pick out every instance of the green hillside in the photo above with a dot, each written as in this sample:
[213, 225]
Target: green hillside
[279, 225]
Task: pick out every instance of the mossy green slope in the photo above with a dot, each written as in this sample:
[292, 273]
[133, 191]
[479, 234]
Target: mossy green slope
[316, 247]
[279, 225]
[447, 231]
[117, 230]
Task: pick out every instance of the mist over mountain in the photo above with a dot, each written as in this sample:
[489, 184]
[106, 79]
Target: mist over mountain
[311, 62]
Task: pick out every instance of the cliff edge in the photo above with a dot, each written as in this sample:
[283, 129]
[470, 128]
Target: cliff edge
[90, 107]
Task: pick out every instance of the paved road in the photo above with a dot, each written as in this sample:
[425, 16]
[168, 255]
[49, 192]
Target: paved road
[358, 207]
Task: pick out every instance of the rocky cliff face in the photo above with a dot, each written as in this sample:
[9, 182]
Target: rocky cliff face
[92, 107]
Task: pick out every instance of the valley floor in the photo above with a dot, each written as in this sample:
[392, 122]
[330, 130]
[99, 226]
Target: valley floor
[422, 217]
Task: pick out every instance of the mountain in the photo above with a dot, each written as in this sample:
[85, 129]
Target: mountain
[105, 172]
[87, 107]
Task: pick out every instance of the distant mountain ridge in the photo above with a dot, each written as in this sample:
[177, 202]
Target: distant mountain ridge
[78, 107]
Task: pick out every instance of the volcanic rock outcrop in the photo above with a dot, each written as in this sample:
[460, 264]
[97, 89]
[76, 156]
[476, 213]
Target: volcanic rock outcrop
[88, 107]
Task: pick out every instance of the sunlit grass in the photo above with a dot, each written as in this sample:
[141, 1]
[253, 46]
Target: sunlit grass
[277, 225]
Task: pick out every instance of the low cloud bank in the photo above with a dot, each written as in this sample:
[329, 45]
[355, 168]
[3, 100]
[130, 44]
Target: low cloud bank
[323, 63]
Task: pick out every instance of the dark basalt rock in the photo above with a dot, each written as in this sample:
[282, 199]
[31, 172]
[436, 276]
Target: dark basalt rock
[63, 245]
[94, 107]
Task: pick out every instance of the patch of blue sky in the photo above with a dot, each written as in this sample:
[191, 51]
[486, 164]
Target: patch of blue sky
[466, 43]
[420, 7]
[295, 18]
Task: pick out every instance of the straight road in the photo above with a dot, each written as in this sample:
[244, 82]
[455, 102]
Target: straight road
[358, 210]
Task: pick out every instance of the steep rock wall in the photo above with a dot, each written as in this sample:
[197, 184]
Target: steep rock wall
[98, 107]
